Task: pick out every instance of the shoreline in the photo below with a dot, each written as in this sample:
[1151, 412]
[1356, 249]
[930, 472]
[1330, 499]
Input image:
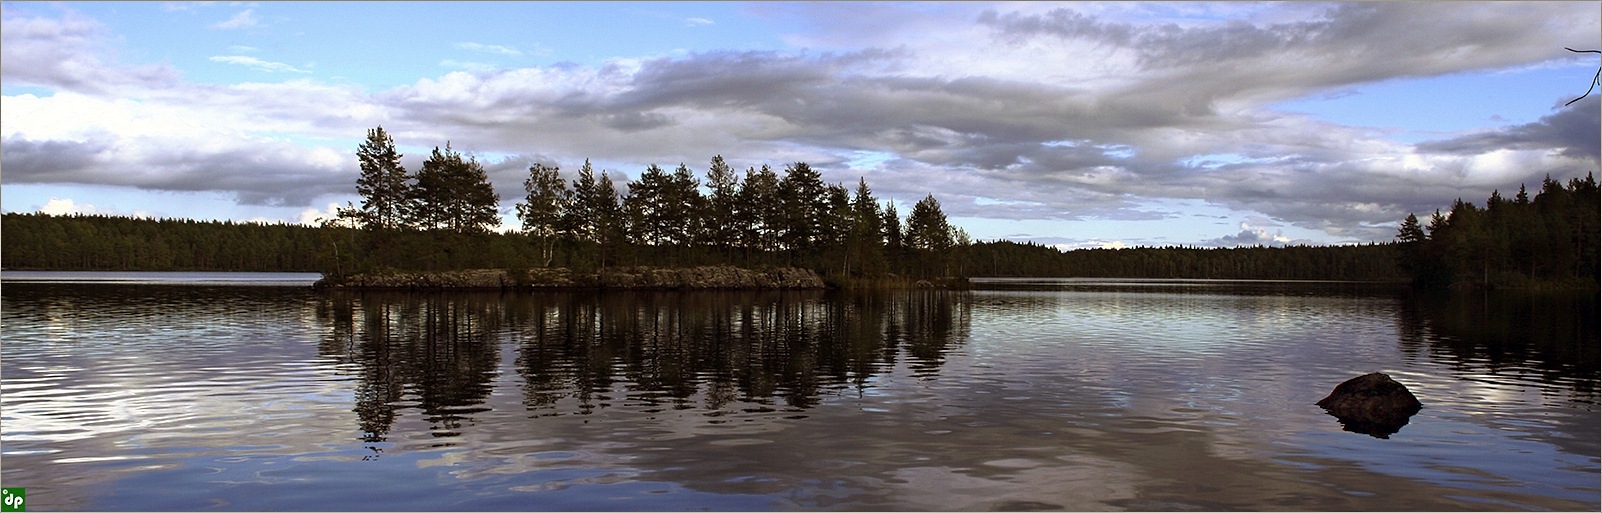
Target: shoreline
[721, 277]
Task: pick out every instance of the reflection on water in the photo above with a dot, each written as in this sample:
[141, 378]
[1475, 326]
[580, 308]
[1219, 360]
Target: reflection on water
[656, 350]
[1054, 395]
[1550, 336]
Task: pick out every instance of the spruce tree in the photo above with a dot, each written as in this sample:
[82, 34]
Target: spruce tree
[803, 199]
[929, 235]
[927, 228]
[721, 228]
[611, 225]
[685, 208]
[578, 221]
[867, 231]
[760, 210]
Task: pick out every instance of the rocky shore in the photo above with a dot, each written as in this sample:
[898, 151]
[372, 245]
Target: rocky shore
[707, 277]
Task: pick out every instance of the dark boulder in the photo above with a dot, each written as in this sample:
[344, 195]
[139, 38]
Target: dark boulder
[1372, 404]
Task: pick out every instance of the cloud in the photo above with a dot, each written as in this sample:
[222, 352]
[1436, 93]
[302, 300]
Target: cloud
[68, 53]
[315, 217]
[244, 19]
[256, 172]
[49, 160]
[1573, 131]
[489, 49]
[698, 22]
[65, 206]
[1251, 235]
[1344, 44]
[191, 139]
[257, 64]
[1025, 111]
[1072, 244]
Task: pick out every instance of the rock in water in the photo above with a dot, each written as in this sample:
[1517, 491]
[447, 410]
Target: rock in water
[1372, 404]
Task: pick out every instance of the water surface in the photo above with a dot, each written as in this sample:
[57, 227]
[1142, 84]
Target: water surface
[1033, 395]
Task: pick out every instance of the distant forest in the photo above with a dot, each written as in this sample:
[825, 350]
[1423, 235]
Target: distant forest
[106, 243]
[440, 218]
[97, 242]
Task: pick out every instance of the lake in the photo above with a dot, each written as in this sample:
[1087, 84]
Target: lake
[232, 392]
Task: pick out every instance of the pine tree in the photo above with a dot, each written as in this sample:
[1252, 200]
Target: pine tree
[648, 208]
[386, 197]
[455, 194]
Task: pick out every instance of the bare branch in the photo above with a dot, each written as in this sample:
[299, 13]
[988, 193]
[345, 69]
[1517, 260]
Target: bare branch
[1594, 80]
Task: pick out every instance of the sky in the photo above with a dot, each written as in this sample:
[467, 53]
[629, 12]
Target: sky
[1071, 124]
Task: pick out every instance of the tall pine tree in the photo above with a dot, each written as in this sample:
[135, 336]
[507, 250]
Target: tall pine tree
[454, 194]
[383, 184]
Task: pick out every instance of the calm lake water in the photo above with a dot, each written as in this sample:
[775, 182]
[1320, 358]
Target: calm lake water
[1031, 394]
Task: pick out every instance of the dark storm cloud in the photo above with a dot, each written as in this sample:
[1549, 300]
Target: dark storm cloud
[1574, 130]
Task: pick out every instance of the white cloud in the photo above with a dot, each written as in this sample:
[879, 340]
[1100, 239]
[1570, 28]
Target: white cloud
[257, 64]
[698, 22]
[315, 217]
[1252, 235]
[489, 49]
[69, 53]
[1033, 113]
[468, 66]
[245, 19]
[65, 206]
[164, 143]
[1090, 244]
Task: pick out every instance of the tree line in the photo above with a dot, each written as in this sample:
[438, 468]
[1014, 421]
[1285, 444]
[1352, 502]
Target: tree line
[97, 242]
[664, 218]
[111, 243]
[1362, 262]
[1548, 240]
[443, 216]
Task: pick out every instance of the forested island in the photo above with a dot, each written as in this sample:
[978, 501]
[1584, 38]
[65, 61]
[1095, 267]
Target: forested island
[442, 219]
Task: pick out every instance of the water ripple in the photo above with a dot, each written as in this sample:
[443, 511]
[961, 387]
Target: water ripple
[1101, 398]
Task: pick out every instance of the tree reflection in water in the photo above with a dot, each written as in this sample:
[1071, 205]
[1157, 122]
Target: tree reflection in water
[435, 353]
[1551, 334]
[766, 350]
